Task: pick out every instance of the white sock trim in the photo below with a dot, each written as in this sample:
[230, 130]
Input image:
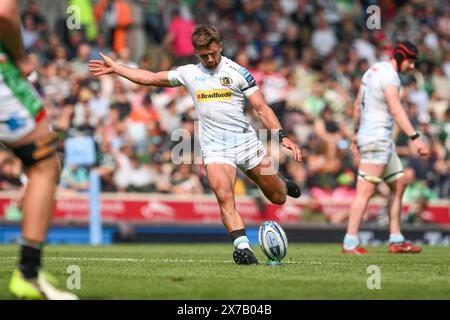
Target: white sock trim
[242, 243]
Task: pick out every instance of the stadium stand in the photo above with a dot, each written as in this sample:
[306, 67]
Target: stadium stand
[307, 56]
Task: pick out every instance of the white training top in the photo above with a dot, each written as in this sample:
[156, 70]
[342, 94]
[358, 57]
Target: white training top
[219, 97]
[376, 122]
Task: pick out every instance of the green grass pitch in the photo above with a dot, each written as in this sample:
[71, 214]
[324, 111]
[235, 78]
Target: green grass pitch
[206, 271]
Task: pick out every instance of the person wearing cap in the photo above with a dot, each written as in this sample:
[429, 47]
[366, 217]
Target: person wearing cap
[376, 107]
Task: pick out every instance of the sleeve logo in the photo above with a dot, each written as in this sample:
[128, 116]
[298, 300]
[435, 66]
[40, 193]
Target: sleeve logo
[247, 75]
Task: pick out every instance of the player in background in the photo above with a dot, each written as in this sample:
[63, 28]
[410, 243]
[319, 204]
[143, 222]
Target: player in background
[25, 130]
[377, 106]
[219, 87]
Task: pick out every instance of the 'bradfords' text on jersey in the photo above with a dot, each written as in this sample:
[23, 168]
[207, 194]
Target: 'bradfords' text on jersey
[213, 95]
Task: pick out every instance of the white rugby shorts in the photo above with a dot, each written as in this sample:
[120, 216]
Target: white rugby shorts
[382, 152]
[245, 156]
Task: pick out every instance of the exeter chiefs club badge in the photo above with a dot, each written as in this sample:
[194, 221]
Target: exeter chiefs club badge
[226, 81]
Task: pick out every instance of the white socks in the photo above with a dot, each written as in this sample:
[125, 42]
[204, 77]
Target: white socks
[242, 243]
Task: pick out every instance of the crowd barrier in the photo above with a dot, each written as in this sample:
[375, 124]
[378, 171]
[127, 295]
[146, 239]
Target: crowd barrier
[162, 208]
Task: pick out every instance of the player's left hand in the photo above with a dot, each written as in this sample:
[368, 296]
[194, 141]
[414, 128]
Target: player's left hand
[293, 147]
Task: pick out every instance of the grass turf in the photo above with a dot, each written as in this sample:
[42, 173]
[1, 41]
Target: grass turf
[206, 271]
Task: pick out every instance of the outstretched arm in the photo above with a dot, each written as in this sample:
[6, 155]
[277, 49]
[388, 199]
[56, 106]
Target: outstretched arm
[270, 121]
[139, 76]
[11, 36]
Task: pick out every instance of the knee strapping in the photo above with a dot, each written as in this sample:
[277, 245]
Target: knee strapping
[369, 178]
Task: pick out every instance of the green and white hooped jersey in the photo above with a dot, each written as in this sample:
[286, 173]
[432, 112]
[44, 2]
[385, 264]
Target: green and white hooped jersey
[219, 98]
[19, 102]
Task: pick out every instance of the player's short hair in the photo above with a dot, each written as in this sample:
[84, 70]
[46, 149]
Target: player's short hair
[203, 36]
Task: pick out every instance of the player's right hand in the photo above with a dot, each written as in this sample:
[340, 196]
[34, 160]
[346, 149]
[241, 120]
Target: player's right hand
[421, 147]
[100, 68]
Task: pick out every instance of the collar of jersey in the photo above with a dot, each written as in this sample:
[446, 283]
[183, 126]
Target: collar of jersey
[391, 66]
[216, 70]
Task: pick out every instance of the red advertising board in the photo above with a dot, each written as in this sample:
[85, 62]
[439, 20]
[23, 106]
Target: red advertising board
[162, 208]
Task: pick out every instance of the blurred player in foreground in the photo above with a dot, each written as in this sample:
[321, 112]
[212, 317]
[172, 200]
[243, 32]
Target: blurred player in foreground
[25, 130]
[376, 108]
[219, 87]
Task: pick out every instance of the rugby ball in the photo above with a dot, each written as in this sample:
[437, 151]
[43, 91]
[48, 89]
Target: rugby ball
[273, 240]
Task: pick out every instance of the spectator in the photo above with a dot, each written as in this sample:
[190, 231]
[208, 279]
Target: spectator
[306, 57]
[178, 39]
[152, 20]
[101, 45]
[124, 58]
[323, 39]
[32, 9]
[114, 17]
[74, 177]
[142, 177]
[79, 64]
[87, 19]
[170, 119]
[30, 32]
[420, 99]
[10, 176]
[106, 166]
[99, 105]
[184, 181]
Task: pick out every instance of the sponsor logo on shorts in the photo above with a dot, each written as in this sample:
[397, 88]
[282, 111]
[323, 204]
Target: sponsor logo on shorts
[213, 95]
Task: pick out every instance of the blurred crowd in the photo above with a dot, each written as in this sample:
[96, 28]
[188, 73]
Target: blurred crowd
[307, 56]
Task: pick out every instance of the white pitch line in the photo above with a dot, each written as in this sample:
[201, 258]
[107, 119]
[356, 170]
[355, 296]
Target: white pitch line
[88, 259]
[126, 260]
[141, 260]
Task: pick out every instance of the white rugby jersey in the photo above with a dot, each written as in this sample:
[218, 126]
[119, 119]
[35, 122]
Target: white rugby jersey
[219, 97]
[376, 122]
